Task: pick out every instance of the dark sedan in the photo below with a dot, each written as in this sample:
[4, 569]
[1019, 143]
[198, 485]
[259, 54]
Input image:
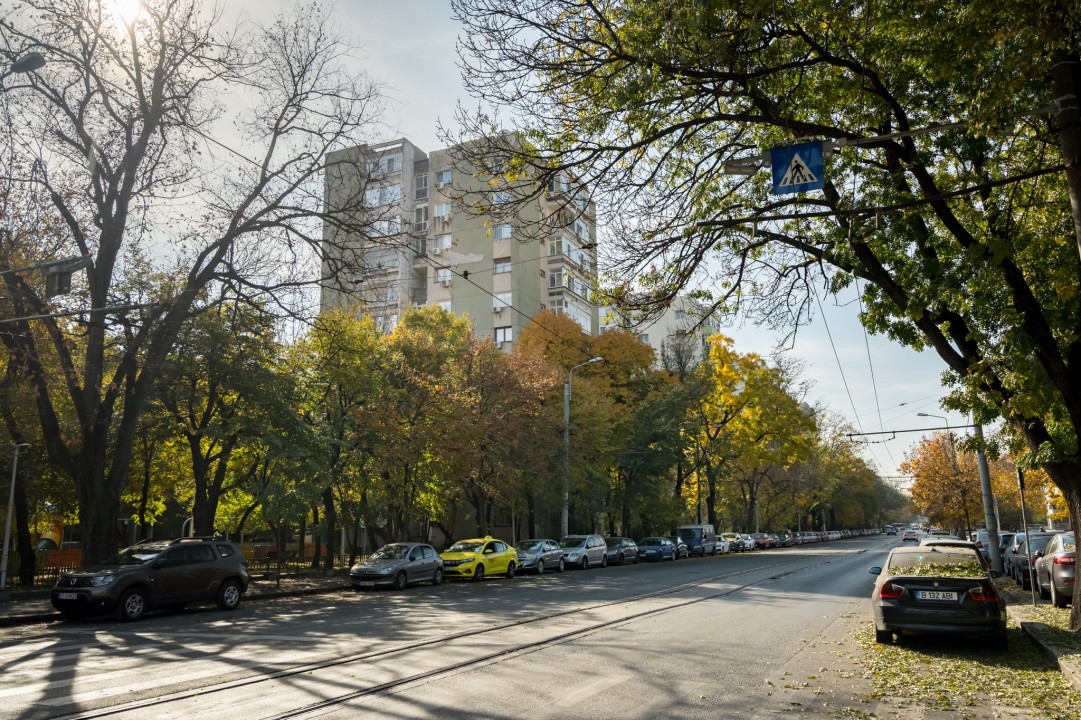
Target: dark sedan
[682, 551]
[539, 555]
[1055, 569]
[937, 590]
[621, 550]
[656, 548]
[397, 565]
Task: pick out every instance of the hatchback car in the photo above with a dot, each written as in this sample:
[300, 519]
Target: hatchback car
[621, 550]
[1055, 569]
[735, 542]
[397, 565]
[536, 556]
[748, 541]
[584, 550]
[479, 558]
[155, 574]
[937, 590]
[656, 548]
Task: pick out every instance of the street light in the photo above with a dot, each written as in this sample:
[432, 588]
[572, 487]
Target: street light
[7, 525]
[27, 63]
[563, 518]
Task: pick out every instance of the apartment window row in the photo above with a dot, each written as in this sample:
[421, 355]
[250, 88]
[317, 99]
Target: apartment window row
[566, 279]
[575, 311]
[388, 195]
[385, 164]
[382, 259]
[564, 246]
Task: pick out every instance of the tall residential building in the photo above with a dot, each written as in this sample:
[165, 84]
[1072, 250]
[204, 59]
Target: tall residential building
[680, 333]
[441, 233]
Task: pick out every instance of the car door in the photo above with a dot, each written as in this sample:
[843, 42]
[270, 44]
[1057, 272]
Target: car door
[167, 576]
[493, 563]
[431, 561]
[414, 565]
[551, 554]
[202, 572]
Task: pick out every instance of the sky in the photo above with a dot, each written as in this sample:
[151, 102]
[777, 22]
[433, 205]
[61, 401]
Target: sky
[409, 46]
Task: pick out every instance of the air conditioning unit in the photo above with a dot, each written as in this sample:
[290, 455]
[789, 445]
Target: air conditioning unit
[498, 307]
[441, 218]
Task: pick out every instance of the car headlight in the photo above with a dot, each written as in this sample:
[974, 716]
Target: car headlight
[385, 571]
[572, 555]
[467, 560]
[99, 580]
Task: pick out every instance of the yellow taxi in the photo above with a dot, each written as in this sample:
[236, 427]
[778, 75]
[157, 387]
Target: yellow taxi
[479, 557]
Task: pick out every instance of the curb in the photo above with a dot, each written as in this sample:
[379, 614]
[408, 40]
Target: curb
[1043, 637]
[53, 615]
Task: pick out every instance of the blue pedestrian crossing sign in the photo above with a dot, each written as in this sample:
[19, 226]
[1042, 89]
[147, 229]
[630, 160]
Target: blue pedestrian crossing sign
[797, 168]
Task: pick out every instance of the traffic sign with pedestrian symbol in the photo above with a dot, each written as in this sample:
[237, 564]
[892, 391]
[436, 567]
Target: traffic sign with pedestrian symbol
[797, 168]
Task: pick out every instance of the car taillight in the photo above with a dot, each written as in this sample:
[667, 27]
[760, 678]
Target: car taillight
[984, 593]
[890, 591]
[1065, 560]
[979, 543]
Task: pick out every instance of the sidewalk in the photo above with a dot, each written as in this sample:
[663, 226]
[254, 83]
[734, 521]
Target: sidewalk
[33, 606]
[1058, 647]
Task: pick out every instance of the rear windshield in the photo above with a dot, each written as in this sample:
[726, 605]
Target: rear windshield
[937, 562]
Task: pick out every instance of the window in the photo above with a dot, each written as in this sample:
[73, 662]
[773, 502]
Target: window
[374, 197]
[581, 230]
[442, 211]
[382, 259]
[420, 219]
[442, 275]
[445, 304]
[416, 553]
[555, 279]
[558, 184]
[442, 178]
[680, 315]
[501, 197]
[385, 164]
[421, 182]
[442, 243]
[382, 228]
[645, 338]
[502, 265]
[500, 301]
[500, 232]
[225, 550]
[502, 334]
[428, 552]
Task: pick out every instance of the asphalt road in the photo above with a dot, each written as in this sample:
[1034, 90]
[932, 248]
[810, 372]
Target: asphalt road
[736, 636]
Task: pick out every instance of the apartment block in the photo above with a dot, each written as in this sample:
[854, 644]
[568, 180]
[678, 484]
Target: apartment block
[682, 330]
[438, 232]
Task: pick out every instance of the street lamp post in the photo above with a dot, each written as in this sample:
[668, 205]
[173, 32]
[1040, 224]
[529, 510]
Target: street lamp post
[7, 524]
[27, 63]
[564, 514]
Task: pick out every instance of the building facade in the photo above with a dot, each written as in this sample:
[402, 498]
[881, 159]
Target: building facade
[440, 233]
[679, 335]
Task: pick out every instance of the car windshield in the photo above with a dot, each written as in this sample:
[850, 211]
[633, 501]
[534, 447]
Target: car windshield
[136, 555]
[467, 546]
[528, 545]
[649, 541]
[688, 533]
[572, 541]
[937, 562]
[389, 552]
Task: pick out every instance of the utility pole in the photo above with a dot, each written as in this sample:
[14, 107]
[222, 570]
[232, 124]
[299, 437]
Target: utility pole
[988, 501]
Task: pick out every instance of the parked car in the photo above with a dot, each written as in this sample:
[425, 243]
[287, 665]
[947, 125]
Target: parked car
[656, 548]
[155, 574]
[621, 550]
[682, 550]
[735, 542]
[584, 550]
[1011, 553]
[1005, 540]
[937, 590]
[397, 565]
[1055, 569]
[538, 555]
[1027, 555]
[748, 541]
[700, 539]
[890, 530]
[982, 539]
[479, 558]
[762, 541]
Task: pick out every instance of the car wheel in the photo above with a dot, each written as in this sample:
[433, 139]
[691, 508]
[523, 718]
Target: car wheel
[713, 551]
[636, 558]
[478, 574]
[585, 562]
[510, 570]
[562, 565]
[132, 605]
[400, 580]
[437, 578]
[540, 567]
[604, 560]
[1057, 598]
[229, 595]
[883, 636]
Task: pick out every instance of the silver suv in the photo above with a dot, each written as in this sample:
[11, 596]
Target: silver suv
[155, 574]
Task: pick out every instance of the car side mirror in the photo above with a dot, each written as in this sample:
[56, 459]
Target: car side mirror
[159, 563]
[1039, 553]
[875, 571]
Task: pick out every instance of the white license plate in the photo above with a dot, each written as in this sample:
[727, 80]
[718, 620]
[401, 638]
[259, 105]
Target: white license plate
[935, 595]
[366, 583]
[67, 596]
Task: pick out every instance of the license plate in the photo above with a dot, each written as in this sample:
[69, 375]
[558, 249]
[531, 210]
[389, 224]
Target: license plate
[67, 596]
[935, 595]
[366, 583]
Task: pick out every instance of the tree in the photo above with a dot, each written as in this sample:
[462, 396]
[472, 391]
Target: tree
[125, 134]
[958, 240]
[946, 487]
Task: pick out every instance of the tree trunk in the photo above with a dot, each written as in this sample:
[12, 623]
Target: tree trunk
[302, 539]
[331, 515]
[1067, 476]
[317, 539]
[144, 496]
[99, 510]
[27, 556]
